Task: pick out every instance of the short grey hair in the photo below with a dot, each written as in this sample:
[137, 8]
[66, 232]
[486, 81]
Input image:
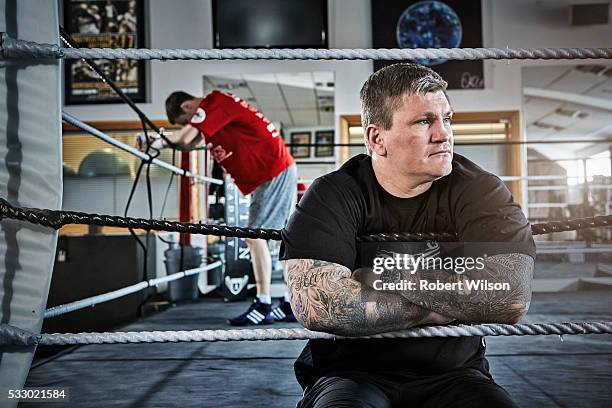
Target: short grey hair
[382, 93]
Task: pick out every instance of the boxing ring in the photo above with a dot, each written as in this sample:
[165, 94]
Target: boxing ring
[32, 187]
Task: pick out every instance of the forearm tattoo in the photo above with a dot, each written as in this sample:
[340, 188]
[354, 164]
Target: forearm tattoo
[479, 306]
[325, 297]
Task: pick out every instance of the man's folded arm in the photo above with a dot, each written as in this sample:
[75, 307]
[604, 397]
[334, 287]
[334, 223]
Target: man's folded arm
[325, 297]
[507, 305]
[485, 213]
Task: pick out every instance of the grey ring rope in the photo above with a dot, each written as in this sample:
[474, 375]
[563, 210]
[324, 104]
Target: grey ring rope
[13, 48]
[15, 336]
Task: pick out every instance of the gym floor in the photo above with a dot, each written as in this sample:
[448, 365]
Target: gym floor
[542, 371]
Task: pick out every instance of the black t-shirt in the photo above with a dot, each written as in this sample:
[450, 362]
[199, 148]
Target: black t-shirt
[349, 202]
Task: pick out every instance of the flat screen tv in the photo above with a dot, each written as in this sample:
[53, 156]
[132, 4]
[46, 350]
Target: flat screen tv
[270, 23]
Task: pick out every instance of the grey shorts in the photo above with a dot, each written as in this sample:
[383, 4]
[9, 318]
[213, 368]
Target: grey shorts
[273, 201]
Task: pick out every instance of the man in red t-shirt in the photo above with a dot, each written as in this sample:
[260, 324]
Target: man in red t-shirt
[250, 149]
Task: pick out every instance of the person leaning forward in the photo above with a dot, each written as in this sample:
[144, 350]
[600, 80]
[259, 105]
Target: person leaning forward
[409, 182]
[246, 145]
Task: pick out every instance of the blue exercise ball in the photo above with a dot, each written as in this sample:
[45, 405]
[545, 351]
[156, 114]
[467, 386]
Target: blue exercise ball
[104, 163]
[429, 24]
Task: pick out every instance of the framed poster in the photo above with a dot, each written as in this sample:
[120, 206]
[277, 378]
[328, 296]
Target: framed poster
[432, 24]
[325, 137]
[105, 24]
[300, 152]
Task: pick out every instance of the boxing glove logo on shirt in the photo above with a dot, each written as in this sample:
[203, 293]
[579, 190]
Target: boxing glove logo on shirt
[199, 116]
[218, 153]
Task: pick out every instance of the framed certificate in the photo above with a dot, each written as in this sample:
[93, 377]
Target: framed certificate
[300, 152]
[324, 138]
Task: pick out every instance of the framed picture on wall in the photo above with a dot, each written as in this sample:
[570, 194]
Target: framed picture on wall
[324, 137]
[300, 152]
[432, 24]
[105, 24]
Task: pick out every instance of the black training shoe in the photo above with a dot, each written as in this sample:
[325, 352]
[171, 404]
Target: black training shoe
[283, 312]
[258, 313]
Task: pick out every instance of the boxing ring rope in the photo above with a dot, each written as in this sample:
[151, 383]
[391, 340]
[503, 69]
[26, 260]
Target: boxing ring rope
[128, 290]
[58, 218]
[132, 150]
[533, 178]
[462, 143]
[15, 336]
[55, 219]
[12, 48]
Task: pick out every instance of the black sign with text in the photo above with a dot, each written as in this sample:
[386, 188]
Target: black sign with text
[237, 256]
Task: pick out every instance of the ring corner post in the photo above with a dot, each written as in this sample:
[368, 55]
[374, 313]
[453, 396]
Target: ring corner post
[30, 176]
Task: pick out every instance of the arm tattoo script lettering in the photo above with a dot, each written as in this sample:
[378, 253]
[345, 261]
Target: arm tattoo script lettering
[325, 297]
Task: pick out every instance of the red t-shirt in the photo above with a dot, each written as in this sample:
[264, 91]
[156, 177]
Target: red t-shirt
[241, 140]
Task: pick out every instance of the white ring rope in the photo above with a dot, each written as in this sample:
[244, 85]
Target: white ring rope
[141, 155]
[13, 335]
[128, 290]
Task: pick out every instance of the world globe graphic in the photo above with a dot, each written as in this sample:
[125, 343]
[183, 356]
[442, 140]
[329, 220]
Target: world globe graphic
[429, 24]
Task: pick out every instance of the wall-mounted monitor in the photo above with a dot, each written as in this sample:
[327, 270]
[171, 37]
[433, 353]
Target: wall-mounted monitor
[270, 23]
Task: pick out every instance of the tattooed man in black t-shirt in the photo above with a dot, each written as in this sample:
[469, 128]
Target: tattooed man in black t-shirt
[409, 182]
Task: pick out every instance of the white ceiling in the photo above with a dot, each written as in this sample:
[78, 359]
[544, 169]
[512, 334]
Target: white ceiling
[295, 99]
[570, 103]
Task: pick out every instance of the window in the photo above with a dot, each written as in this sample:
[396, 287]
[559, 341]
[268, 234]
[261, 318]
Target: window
[98, 177]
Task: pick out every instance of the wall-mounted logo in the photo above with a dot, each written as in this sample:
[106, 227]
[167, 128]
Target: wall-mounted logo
[199, 116]
[235, 285]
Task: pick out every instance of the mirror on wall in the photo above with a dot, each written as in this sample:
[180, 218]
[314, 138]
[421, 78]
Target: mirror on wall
[299, 104]
[567, 112]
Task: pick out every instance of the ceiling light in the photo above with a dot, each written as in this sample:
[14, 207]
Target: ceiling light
[571, 113]
[591, 69]
[478, 127]
[543, 125]
[487, 136]
[356, 130]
